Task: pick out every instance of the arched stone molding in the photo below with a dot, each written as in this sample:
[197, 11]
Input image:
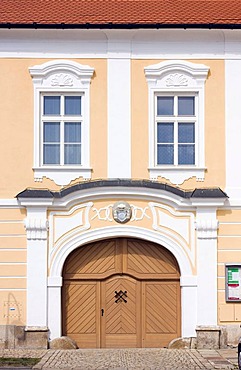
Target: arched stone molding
[188, 281]
[111, 232]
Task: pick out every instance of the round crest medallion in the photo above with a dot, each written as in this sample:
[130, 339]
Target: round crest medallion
[121, 212]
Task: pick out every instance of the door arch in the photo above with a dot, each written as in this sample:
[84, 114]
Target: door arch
[121, 292]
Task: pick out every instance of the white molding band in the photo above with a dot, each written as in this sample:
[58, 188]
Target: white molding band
[233, 129]
[145, 44]
[119, 118]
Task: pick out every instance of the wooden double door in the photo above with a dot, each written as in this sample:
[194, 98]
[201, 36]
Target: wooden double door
[121, 293]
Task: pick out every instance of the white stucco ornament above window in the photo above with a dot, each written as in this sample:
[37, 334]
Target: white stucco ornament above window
[176, 120]
[61, 120]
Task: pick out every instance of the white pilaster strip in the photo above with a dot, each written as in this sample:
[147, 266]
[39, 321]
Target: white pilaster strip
[54, 306]
[233, 128]
[189, 305]
[36, 226]
[119, 118]
[206, 227]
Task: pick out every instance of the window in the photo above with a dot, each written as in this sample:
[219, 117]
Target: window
[61, 121]
[61, 129]
[175, 130]
[176, 120]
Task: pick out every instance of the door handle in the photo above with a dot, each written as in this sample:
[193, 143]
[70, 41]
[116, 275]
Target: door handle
[102, 311]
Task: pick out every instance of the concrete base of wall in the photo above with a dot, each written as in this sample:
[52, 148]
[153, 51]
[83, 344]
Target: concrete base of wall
[208, 337]
[233, 334]
[16, 337]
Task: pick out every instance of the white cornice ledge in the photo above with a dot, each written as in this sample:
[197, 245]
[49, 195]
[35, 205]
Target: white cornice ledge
[158, 71]
[208, 202]
[84, 72]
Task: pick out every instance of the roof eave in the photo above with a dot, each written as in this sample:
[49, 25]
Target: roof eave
[110, 25]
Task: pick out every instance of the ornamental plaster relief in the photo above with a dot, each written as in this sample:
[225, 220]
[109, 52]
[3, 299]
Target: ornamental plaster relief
[67, 225]
[62, 223]
[179, 226]
[176, 79]
[105, 213]
[62, 79]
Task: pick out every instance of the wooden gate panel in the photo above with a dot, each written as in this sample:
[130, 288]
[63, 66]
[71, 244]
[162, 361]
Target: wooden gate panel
[81, 312]
[92, 260]
[147, 259]
[161, 313]
[121, 304]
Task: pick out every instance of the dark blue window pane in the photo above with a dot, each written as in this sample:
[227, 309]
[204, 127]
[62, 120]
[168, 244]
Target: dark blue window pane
[72, 132]
[165, 106]
[165, 132]
[186, 106]
[51, 154]
[72, 154]
[51, 132]
[52, 105]
[186, 154]
[186, 133]
[165, 154]
[72, 106]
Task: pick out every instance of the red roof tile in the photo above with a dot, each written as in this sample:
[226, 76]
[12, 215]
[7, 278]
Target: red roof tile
[111, 13]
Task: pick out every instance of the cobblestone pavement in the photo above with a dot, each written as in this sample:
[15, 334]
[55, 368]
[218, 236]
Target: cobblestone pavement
[129, 359]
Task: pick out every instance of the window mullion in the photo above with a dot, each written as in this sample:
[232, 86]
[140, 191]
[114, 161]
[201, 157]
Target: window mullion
[176, 142]
[155, 148]
[62, 141]
[62, 130]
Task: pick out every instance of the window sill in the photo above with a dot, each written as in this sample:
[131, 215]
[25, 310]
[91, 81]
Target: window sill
[177, 174]
[61, 175]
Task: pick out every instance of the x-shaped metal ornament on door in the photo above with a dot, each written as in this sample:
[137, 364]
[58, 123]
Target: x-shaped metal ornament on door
[120, 296]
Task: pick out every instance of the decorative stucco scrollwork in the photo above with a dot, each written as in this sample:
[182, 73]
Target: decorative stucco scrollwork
[105, 213]
[176, 79]
[62, 79]
[36, 228]
[207, 228]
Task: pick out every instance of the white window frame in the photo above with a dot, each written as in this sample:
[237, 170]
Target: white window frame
[61, 119]
[62, 77]
[177, 77]
[176, 119]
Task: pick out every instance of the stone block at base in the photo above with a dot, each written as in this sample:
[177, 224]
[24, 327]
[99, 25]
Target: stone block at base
[210, 337]
[21, 337]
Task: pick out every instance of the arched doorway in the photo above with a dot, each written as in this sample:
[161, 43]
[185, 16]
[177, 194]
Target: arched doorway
[121, 292]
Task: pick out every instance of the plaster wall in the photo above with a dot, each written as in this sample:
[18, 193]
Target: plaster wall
[17, 115]
[13, 258]
[229, 241]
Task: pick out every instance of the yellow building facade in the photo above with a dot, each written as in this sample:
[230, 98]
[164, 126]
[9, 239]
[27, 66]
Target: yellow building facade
[120, 200]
